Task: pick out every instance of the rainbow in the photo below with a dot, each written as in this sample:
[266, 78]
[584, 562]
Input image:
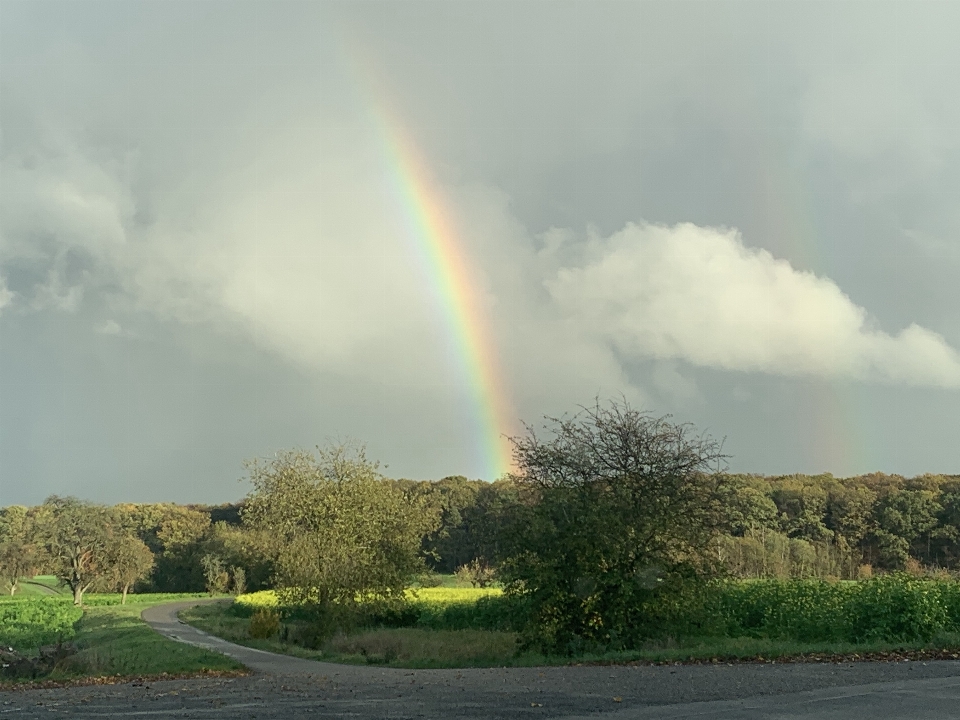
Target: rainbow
[447, 269]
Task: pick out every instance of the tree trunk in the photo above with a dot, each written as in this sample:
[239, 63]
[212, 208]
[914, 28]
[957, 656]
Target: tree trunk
[78, 594]
[123, 597]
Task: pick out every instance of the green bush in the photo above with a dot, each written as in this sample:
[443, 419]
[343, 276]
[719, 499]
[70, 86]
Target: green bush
[264, 623]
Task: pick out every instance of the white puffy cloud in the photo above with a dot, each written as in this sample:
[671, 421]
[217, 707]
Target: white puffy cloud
[700, 295]
[6, 297]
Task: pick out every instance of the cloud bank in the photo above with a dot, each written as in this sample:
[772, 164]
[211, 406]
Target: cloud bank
[700, 295]
[338, 291]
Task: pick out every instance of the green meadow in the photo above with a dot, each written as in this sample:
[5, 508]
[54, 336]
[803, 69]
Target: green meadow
[104, 638]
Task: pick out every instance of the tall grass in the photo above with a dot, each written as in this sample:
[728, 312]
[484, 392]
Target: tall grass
[113, 640]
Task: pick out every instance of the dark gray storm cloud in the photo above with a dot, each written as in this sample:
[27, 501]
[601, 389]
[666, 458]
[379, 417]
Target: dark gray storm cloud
[743, 214]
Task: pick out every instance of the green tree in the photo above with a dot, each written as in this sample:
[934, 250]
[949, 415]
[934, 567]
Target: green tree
[748, 508]
[127, 560]
[623, 510]
[176, 535]
[340, 531]
[905, 520]
[216, 574]
[76, 537]
[17, 552]
[802, 502]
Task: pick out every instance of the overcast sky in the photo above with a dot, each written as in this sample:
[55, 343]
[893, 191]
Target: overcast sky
[745, 214]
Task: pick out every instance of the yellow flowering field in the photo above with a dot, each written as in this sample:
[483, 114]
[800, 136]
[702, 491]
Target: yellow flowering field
[438, 596]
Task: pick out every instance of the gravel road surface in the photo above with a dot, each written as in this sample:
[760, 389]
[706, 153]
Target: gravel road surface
[287, 687]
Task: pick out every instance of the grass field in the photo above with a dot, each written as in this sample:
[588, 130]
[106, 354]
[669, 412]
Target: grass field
[45, 585]
[111, 640]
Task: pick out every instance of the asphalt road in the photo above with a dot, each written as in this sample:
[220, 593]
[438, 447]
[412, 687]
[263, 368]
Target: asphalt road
[286, 687]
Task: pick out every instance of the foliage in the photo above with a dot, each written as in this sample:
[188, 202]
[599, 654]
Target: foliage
[621, 512]
[439, 608]
[128, 560]
[215, 573]
[264, 623]
[18, 555]
[895, 607]
[473, 515]
[76, 537]
[31, 622]
[238, 581]
[477, 572]
[340, 533]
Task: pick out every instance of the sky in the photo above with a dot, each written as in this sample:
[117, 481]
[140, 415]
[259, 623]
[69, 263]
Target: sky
[233, 228]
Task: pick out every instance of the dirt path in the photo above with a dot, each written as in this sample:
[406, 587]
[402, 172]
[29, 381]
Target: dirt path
[285, 687]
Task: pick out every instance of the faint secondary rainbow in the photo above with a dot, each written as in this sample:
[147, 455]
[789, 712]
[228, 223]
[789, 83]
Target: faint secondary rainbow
[447, 268]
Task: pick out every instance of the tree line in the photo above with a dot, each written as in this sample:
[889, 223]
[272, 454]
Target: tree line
[612, 517]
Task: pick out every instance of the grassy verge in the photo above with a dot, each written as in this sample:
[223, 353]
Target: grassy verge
[114, 643]
[423, 648]
[396, 647]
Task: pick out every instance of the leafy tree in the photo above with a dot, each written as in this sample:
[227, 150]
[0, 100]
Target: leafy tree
[449, 546]
[477, 572]
[622, 511]
[748, 506]
[17, 551]
[239, 580]
[340, 532]
[76, 538]
[176, 535]
[127, 560]
[802, 502]
[473, 517]
[216, 574]
[903, 518]
[244, 548]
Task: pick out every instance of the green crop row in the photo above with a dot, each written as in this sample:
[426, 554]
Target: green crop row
[29, 623]
[890, 607]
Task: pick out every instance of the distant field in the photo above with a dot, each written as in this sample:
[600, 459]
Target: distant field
[441, 596]
[40, 585]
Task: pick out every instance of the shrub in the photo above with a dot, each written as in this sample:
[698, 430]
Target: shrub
[264, 623]
[239, 580]
[215, 573]
[429, 580]
[477, 572]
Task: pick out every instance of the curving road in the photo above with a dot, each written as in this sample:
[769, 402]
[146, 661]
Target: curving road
[287, 687]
